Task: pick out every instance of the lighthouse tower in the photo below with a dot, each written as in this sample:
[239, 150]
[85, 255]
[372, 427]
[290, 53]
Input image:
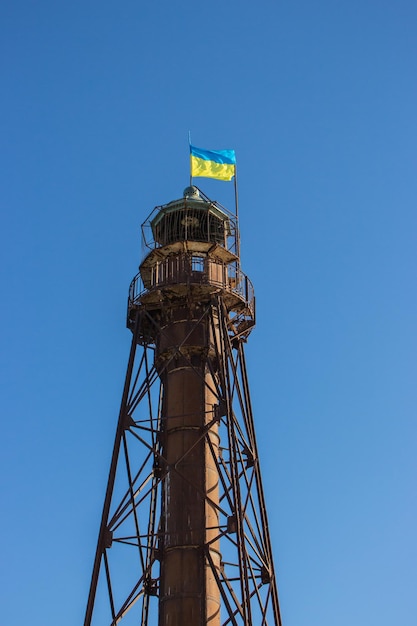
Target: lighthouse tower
[184, 538]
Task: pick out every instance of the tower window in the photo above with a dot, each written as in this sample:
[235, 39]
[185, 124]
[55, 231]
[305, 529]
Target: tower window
[197, 264]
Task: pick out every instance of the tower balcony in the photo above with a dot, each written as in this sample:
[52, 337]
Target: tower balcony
[197, 277]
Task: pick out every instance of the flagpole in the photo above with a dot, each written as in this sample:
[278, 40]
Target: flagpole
[189, 146]
[237, 215]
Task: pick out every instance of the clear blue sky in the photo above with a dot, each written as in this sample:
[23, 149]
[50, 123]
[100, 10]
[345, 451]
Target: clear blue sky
[319, 101]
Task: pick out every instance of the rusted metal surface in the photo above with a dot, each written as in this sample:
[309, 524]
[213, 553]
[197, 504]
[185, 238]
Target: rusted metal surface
[187, 592]
[184, 537]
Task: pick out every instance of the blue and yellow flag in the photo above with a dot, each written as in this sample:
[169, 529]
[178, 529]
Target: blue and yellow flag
[218, 164]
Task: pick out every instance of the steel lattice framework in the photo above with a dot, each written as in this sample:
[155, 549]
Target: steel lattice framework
[132, 545]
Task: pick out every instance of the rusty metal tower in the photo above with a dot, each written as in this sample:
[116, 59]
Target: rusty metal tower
[184, 538]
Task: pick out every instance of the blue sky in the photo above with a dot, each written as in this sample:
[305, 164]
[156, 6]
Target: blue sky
[319, 101]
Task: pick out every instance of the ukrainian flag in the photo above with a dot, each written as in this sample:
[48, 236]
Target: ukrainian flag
[218, 164]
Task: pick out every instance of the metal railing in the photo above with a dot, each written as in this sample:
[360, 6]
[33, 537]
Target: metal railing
[194, 269]
[180, 225]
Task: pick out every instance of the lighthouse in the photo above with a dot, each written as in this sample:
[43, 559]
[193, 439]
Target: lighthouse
[183, 538]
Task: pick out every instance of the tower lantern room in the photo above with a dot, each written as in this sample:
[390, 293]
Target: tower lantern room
[192, 218]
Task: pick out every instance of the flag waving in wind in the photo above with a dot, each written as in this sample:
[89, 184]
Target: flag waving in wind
[220, 164]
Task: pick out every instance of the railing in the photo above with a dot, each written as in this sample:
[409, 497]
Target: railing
[191, 220]
[194, 269]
